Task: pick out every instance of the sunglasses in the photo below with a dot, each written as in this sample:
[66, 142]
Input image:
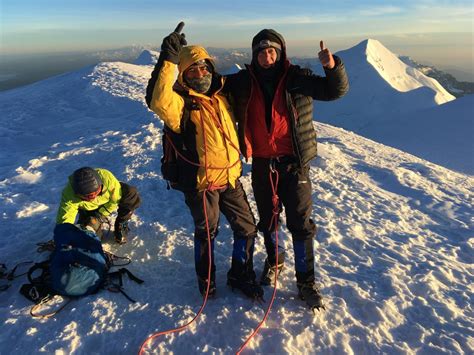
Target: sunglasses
[91, 196]
[194, 70]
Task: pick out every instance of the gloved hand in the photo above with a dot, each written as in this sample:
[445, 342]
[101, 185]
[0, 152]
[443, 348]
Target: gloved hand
[173, 43]
[95, 214]
[93, 220]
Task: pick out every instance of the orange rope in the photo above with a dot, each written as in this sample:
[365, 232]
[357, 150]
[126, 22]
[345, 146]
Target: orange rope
[212, 187]
[209, 250]
[274, 220]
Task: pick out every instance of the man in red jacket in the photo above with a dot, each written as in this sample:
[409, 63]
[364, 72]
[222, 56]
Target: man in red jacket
[273, 104]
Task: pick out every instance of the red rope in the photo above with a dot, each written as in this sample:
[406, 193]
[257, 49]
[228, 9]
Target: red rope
[209, 250]
[274, 220]
[212, 187]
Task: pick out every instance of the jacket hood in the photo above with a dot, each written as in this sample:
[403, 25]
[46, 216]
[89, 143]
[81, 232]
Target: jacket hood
[190, 55]
[271, 35]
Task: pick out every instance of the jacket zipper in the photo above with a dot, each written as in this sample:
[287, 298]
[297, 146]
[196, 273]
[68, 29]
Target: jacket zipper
[294, 115]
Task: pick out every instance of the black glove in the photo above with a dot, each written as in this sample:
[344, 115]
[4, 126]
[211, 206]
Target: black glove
[170, 49]
[172, 45]
[95, 213]
[87, 216]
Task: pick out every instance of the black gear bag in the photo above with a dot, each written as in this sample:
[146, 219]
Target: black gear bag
[180, 161]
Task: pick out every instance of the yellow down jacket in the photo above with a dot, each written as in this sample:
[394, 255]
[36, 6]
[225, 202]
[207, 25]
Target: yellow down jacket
[216, 135]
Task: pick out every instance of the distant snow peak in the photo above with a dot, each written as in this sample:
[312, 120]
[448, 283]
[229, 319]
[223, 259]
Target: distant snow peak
[399, 75]
[147, 57]
[233, 69]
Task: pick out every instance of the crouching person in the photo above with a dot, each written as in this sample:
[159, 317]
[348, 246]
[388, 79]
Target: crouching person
[94, 194]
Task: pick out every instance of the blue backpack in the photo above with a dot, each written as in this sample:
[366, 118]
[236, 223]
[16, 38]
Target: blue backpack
[78, 264]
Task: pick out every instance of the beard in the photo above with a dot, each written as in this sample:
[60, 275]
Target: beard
[200, 85]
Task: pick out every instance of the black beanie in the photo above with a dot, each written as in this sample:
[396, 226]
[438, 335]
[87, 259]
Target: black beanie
[265, 39]
[85, 181]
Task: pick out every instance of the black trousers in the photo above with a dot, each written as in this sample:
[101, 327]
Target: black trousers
[294, 191]
[233, 203]
[129, 202]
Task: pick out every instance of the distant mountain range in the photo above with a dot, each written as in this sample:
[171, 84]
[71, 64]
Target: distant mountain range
[16, 72]
[449, 82]
[388, 101]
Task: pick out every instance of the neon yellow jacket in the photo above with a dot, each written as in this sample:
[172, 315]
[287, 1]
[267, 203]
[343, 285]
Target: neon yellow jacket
[106, 202]
[219, 154]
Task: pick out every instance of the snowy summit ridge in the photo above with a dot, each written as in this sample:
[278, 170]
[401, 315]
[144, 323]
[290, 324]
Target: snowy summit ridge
[394, 249]
[400, 76]
[147, 57]
[396, 104]
[381, 82]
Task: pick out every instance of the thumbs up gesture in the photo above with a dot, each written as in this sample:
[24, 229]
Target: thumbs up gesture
[325, 57]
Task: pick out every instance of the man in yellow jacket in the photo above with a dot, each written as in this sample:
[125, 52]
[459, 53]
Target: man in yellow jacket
[211, 137]
[94, 194]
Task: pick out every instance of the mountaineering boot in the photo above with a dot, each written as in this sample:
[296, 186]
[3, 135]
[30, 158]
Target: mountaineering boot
[202, 282]
[310, 293]
[245, 283]
[268, 273]
[121, 232]
[241, 274]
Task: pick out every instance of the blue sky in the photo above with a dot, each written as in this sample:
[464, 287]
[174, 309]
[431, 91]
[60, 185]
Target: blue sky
[441, 27]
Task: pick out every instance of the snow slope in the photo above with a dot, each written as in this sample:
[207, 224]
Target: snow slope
[394, 248]
[442, 134]
[380, 84]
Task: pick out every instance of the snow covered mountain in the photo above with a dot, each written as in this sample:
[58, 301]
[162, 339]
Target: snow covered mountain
[147, 57]
[448, 81]
[394, 246]
[381, 84]
[398, 105]
[441, 134]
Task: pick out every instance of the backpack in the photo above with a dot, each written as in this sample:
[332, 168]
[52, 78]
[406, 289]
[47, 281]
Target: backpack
[175, 146]
[180, 161]
[77, 266]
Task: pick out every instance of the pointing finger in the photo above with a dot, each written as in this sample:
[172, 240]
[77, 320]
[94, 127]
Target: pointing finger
[321, 44]
[179, 28]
